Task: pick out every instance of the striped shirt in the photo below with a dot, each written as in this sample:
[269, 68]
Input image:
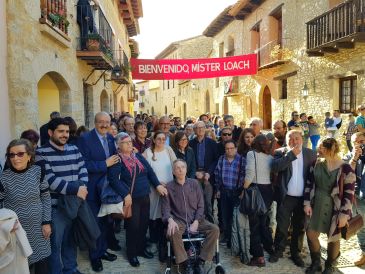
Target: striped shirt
[62, 168]
[226, 173]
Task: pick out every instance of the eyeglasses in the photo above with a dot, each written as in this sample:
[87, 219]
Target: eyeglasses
[19, 154]
[126, 142]
[253, 124]
[183, 139]
[160, 139]
[226, 134]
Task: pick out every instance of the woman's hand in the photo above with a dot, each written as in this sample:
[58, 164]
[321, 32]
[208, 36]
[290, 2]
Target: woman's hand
[341, 221]
[308, 210]
[128, 200]
[246, 185]
[161, 190]
[163, 183]
[46, 231]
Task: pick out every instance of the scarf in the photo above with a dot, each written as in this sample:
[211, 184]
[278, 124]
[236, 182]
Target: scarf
[131, 162]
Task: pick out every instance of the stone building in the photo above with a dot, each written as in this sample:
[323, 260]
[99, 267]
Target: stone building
[182, 97]
[71, 56]
[310, 57]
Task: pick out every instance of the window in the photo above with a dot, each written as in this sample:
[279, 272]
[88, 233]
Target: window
[284, 89]
[174, 103]
[348, 94]
[168, 84]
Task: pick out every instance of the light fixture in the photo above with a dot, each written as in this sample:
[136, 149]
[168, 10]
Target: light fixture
[305, 91]
[116, 71]
[194, 86]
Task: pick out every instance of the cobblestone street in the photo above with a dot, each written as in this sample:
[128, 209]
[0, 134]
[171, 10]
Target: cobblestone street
[350, 250]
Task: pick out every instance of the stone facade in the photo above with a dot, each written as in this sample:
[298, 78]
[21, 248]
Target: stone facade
[36, 49]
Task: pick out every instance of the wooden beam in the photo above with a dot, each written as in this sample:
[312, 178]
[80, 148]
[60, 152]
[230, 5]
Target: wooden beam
[345, 45]
[314, 53]
[329, 49]
[285, 76]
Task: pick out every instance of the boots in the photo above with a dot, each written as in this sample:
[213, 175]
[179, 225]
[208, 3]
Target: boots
[330, 265]
[315, 265]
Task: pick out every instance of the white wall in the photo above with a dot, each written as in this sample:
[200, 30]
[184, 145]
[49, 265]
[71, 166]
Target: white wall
[5, 135]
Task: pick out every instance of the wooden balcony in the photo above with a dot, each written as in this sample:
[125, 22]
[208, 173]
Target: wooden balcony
[270, 55]
[337, 28]
[54, 14]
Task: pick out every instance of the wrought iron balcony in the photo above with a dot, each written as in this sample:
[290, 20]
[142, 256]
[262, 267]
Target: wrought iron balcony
[54, 14]
[337, 28]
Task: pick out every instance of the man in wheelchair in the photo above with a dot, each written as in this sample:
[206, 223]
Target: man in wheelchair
[183, 210]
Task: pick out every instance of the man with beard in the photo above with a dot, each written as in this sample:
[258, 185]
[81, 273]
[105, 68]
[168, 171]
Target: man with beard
[280, 130]
[98, 149]
[64, 167]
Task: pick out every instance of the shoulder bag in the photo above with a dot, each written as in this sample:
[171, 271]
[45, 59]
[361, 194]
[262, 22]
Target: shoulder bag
[356, 222]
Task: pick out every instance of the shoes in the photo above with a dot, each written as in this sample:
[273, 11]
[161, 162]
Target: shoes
[361, 261]
[115, 247]
[109, 257]
[152, 248]
[329, 270]
[257, 261]
[199, 267]
[146, 254]
[275, 256]
[134, 262]
[97, 265]
[298, 261]
[315, 266]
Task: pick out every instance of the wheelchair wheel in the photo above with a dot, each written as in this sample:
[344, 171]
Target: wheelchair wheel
[219, 270]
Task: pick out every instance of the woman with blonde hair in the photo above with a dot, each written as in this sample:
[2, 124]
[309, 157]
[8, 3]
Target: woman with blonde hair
[328, 196]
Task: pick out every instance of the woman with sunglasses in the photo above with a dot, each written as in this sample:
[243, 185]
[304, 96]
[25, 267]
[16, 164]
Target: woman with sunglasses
[160, 157]
[183, 151]
[24, 190]
[245, 141]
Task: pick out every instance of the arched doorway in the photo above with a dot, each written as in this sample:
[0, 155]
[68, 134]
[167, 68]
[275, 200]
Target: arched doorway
[225, 106]
[266, 108]
[104, 101]
[53, 95]
[207, 101]
[184, 112]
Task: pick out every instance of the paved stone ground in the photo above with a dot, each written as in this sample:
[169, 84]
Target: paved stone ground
[350, 251]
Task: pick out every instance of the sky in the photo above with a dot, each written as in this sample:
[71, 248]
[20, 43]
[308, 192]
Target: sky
[167, 21]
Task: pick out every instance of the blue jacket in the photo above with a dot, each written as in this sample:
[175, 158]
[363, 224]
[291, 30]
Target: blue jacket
[211, 154]
[189, 158]
[120, 180]
[93, 152]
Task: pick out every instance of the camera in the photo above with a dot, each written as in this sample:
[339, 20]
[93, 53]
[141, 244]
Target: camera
[362, 146]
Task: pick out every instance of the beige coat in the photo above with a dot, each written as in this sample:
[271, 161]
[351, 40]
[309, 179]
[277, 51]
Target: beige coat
[14, 246]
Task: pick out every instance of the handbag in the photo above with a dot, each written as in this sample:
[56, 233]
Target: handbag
[356, 222]
[252, 202]
[127, 210]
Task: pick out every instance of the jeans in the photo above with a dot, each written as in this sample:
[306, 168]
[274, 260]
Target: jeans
[314, 141]
[63, 259]
[228, 201]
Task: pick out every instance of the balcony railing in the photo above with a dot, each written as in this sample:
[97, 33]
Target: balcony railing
[344, 23]
[54, 12]
[269, 55]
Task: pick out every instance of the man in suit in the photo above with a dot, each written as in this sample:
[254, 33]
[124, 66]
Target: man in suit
[206, 156]
[292, 163]
[99, 152]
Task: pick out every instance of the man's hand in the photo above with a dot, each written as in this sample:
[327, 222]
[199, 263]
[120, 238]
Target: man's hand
[193, 228]
[82, 192]
[46, 231]
[206, 176]
[112, 160]
[172, 227]
[296, 150]
[357, 151]
[128, 200]
[308, 211]
[161, 190]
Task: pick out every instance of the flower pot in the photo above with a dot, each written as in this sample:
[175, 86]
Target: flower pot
[93, 45]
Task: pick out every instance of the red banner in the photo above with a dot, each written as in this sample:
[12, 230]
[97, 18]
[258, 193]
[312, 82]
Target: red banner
[171, 69]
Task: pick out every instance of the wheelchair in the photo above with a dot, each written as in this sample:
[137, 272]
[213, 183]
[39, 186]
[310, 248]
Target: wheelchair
[192, 244]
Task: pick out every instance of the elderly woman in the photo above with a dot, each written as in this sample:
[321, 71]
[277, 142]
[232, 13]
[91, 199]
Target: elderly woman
[245, 141]
[258, 170]
[23, 190]
[328, 209]
[134, 169]
[141, 142]
[160, 157]
[183, 151]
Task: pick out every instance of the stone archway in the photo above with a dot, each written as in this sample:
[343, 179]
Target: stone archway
[207, 101]
[225, 106]
[104, 101]
[266, 108]
[53, 95]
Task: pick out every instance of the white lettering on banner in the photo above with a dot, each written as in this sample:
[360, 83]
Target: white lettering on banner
[163, 68]
[205, 67]
[236, 65]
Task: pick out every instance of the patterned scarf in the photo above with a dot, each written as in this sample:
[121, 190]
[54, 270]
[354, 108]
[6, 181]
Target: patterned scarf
[131, 162]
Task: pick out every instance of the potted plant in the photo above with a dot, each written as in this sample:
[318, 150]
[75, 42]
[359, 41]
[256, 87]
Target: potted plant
[93, 42]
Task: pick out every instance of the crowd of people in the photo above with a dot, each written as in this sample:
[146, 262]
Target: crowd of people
[70, 186]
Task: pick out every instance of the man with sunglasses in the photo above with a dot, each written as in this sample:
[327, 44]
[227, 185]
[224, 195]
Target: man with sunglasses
[294, 122]
[236, 131]
[64, 168]
[226, 134]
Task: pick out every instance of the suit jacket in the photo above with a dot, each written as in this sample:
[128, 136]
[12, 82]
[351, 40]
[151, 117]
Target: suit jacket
[93, 152]
[282, 164]
[211, 154]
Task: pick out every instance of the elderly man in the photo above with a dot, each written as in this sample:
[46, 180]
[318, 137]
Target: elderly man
[256, 124]
[292, 163]
[128, 125]
[164, 124]
[226, 134]
[98, 150]
[206, 155]
[183, 210]
[236, 131]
